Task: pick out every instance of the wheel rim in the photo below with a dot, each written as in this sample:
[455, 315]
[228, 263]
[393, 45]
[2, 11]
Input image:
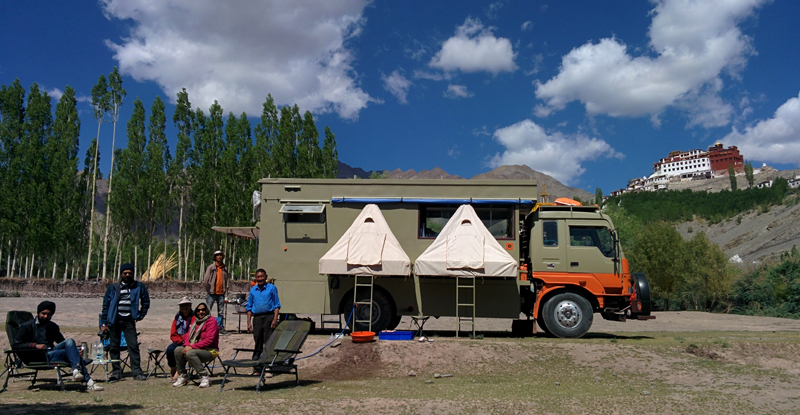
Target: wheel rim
[568, 313]
[362, 312]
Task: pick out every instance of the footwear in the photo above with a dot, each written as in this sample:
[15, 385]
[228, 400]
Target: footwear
[182, 381]
[91, 385]
[77, 376]
[140, 377]
[114, 377]
[205, 382]
[267, 375]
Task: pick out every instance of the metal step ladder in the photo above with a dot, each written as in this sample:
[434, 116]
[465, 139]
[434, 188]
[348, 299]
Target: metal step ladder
[338, 321]
[360, 282]
[465, 298]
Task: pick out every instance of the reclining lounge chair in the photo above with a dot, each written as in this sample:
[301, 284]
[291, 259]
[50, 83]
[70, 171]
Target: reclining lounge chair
[280, 352]
[36, 360]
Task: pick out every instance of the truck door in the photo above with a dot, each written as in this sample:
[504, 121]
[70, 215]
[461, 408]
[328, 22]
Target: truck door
[548, 247]
[590, 249]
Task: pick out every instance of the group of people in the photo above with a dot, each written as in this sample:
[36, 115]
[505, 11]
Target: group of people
[194, 334]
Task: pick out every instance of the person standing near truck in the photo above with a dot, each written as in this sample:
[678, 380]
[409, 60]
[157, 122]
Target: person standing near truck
[263, 308]
[215, 283]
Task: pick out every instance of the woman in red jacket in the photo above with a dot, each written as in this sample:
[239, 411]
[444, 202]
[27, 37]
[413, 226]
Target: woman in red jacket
[200, 345]
[180, 326]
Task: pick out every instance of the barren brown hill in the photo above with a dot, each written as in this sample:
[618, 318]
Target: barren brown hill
[554, 187]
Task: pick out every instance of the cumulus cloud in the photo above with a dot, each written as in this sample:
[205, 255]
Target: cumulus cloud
[457, 91]
[237, 55]
[774, 140]
[555, 154]
[692, 43]
[55, 93]
[475, 49]
[398, 85]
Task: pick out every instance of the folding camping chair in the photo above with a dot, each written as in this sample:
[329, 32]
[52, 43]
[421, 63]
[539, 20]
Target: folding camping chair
[28, 362]
[123, 348]
[280, 352]
[156, 355]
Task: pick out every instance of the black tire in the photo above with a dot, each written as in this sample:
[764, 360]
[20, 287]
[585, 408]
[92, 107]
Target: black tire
[544, 328]
[394, 323]
[568, 315]
[382, 311]
[642, 293]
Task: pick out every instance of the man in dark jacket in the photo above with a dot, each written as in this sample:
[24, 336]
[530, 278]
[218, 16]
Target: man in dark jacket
[41, 335]
[121, 311]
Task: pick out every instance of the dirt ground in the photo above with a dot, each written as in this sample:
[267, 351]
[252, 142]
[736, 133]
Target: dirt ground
[681, 362]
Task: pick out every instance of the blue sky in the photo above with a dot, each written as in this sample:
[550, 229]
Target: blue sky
[589, 92]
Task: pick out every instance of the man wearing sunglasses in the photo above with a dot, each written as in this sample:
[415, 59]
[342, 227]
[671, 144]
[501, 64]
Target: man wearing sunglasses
[125, 303]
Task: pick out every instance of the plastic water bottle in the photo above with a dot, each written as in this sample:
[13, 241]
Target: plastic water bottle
[98, 351]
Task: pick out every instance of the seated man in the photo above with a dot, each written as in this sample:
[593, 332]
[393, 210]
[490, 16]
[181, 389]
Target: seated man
[200, 345]
[42, 334]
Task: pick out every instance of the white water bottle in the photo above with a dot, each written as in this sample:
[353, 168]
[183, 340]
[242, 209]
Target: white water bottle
[98, 350]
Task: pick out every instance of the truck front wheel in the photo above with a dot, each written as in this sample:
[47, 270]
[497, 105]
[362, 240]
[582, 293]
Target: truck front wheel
[567, 315]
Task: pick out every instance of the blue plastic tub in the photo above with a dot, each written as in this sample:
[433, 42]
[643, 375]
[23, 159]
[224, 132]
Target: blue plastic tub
[396, 335]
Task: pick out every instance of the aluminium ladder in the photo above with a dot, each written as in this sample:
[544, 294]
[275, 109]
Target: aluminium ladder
[465, 284]
[356, 320]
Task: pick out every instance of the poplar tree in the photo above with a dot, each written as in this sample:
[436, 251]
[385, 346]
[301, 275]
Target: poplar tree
[157, 159]
[330, 156]
[283, 154]
[64, 190]
[115, 96]
[732, 176]
[12, 121]
[183, 118]
[308, 151]
[266, 133]
[748, 173]
[100, 105]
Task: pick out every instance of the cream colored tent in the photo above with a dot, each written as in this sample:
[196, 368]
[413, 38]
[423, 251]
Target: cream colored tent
[368, 247]
[465, 248]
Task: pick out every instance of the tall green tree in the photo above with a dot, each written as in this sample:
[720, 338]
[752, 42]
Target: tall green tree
[266, 133]
[308, 151]
[598, 197]
[131, 181]
[100, 106]
[283, 152]
[748, 173]
[732, 176]
[115, 96]
[66, 193]
[183, 118]
[330, 156]
[157, 158]
[12, 121]
[659, 253]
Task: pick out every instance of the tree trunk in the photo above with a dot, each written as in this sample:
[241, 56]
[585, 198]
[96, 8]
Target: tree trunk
[149, 260]
[66, 263]
[180, 237]
[9, 265]
[135, 259]
[202, 251]
[108, 198]
[14, 263]
[25, 275]
[55, 259]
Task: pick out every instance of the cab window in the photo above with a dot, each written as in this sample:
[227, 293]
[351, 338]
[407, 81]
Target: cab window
[592, 236]
[550, 233]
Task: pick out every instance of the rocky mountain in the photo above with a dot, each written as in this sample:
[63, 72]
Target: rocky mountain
[516, 172]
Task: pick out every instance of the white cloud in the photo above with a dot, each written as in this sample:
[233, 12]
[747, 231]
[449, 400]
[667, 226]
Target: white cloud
[457, 91]
[453, 152]
[477, 132]
[556, 154]
[774, 140]
[527, 26]
[398, 85]
[693, 43]
[55, 94]
[239, 54]
[474, 49]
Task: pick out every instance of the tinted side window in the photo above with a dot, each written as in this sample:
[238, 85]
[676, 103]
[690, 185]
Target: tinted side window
[597, 236]
[498, 219]
[550, 233]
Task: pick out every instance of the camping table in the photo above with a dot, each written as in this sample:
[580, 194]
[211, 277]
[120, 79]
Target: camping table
[104, 363]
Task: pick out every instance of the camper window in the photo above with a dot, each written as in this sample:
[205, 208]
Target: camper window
[303, 213]
[550, 233]
[498, 219]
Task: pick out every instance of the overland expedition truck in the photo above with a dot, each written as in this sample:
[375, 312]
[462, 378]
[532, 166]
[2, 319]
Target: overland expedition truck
[570, 262]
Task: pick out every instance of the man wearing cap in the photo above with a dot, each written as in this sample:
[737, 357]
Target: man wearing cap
[215, 283]
[42, 334]
[125, 303]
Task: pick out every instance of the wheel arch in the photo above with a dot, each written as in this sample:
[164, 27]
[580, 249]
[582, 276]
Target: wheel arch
[569, 288]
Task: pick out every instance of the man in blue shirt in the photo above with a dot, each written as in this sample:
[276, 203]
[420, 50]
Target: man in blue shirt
[263, 307]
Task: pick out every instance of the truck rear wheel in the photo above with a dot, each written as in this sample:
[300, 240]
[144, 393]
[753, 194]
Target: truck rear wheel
[567, 315]
[382, 311]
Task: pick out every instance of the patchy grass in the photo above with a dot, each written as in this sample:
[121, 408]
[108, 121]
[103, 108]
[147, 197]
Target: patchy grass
[664, 373]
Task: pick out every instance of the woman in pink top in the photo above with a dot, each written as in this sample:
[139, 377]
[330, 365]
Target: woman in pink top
[200, 345]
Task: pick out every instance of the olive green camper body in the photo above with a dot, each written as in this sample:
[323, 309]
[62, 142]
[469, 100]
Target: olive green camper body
[290, 251]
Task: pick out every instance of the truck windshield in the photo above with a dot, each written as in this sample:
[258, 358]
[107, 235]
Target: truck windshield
[498, 219]
[597, 236]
